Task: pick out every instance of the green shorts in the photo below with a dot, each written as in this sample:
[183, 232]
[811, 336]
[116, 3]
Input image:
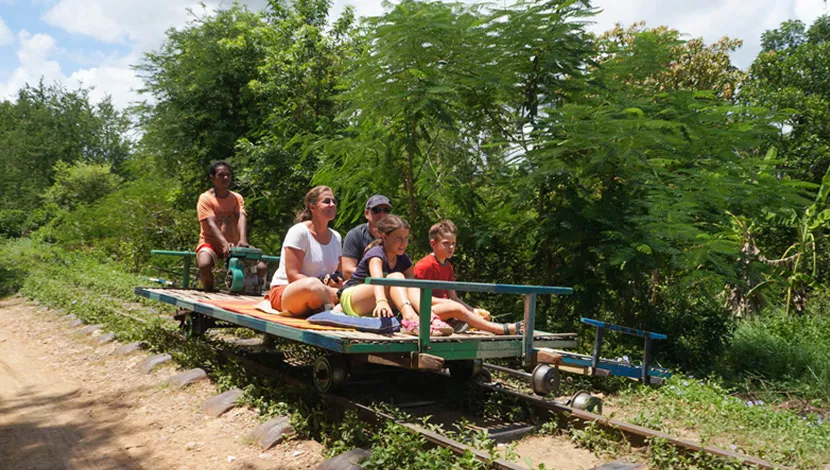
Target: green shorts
[346, 301]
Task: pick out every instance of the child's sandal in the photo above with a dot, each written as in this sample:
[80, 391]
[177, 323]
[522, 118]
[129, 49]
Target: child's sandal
[413, 328]
[436, 324]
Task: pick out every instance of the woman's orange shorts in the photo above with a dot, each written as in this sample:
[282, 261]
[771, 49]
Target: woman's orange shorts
[275, 296]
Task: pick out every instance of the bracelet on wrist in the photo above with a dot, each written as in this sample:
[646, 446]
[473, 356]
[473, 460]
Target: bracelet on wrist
[381, 300]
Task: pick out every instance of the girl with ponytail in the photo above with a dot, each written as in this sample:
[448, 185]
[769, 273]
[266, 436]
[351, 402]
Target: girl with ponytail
[386, 257]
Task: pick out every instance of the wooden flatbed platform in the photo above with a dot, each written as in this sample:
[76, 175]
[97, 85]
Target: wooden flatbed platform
[464, 346]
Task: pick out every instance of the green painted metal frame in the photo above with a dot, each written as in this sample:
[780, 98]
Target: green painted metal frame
[188, 261]
[426, 286]
[449, 349]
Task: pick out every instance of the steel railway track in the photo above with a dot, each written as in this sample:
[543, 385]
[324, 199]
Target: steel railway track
[638, 436]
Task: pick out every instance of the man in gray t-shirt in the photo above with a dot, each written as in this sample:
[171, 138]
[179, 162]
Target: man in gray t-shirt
[358, 238]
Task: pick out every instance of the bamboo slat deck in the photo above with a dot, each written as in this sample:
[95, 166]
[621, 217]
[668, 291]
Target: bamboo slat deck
[471, 345]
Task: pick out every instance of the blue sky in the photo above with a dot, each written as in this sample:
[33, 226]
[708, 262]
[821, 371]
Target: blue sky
[94, 42]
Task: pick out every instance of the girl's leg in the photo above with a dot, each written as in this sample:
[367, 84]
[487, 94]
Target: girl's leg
[401, 298]
[446, 310]
[363, 300]
[306, 295]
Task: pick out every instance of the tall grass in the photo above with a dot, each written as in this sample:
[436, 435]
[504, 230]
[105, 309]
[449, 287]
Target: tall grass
[791, 352]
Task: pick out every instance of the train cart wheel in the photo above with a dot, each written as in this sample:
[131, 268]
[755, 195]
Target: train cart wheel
[330, 373]
[545, 380]
[194, 325]
[484, 377]
[583, 400]
[466, 369]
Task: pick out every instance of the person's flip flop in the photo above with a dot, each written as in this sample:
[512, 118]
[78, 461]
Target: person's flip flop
[518, 328]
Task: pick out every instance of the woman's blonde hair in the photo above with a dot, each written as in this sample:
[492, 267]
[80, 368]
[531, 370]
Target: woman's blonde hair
[387, 225]
[312, 196]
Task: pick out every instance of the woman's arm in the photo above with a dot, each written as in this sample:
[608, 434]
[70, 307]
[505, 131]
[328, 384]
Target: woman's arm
[294, 263]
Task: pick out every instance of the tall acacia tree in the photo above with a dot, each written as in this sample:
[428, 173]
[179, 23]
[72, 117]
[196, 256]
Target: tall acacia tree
[446, 92]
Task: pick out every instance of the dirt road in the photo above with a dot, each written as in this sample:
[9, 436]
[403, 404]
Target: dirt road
[67, 402]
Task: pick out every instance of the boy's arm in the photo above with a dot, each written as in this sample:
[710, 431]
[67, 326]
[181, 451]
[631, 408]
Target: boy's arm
[453, 296]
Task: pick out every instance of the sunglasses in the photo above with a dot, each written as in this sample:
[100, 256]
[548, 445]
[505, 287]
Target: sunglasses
[378, 210]
[329, 200]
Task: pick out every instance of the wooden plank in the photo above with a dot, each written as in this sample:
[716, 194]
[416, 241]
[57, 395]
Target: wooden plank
[305, 336]
[429, 362]
[467, 346]
[548, 356]
[471, 286]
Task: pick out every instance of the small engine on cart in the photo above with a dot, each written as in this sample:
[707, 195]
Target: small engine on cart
[242, 275]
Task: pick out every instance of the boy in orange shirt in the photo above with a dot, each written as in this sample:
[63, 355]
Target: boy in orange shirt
[223, 223]
[436, 266]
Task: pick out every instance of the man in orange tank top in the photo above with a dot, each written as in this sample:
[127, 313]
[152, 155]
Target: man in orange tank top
[223, 223]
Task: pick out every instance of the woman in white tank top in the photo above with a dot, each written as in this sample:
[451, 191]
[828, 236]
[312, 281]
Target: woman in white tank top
[309, 274]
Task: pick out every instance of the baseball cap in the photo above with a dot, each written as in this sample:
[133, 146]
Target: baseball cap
[377, 200]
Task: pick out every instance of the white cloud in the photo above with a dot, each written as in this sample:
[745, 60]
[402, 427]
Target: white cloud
[138, 22]
[33, 54]
[117, 80]
[6, 35]
[711, 19]
[36, 53]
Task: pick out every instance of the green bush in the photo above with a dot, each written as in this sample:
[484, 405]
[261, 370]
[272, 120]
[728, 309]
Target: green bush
[12, 222]
[791, 351]
[127, 224]
[81, 183]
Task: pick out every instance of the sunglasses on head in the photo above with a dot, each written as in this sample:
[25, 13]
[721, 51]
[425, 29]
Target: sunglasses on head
[378, 210]
[329, 200]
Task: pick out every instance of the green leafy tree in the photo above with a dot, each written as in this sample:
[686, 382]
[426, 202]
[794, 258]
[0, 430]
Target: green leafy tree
[686, 65]
[201, 104]
[50, 124]
[445, 94]
[297, 86]
[790, 74]
[245, 87]
[81, 183]
[638, 181]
